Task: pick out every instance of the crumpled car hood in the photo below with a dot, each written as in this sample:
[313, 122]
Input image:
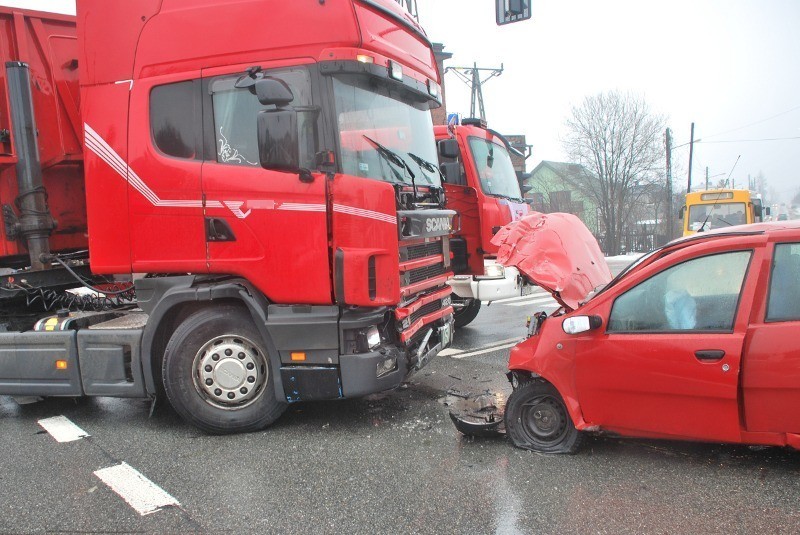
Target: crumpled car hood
[555, 251]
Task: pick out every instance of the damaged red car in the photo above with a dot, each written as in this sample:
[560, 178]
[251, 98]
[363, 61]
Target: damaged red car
[697, 340]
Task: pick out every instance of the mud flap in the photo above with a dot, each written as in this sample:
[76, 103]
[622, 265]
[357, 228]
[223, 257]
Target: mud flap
[478, 415]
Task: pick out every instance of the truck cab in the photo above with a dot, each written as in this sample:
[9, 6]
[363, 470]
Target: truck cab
[247, 187]
[481, 185]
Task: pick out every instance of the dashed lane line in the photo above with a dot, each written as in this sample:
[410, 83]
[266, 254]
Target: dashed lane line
[62, 429]
[139, 492]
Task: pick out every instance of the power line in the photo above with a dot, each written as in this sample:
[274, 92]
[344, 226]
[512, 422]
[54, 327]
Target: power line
[749, 140]
[755, 123]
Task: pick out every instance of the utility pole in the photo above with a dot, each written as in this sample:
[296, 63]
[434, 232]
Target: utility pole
[670, 215]
[691, 152]
[472, 77]
[706, 177]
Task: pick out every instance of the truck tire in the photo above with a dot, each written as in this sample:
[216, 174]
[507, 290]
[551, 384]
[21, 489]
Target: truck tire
[217, 373]
[465, 310]
[536, 419]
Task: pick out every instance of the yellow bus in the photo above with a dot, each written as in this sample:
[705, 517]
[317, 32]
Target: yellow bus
[716, 208]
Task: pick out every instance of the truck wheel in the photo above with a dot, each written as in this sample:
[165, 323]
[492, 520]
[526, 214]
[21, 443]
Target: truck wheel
[537, 419]
[217, 373]
[465, 310]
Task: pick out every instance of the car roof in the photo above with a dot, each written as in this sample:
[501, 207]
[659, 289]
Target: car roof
[740, 230]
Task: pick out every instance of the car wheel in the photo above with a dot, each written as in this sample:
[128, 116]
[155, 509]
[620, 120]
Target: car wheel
[537, 419]
[217, 373]
[465, 310]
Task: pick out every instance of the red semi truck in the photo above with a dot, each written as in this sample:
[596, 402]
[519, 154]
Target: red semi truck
[483, 188]
[247, 185]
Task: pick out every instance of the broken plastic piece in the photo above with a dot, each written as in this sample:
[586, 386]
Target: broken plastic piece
[479, 416]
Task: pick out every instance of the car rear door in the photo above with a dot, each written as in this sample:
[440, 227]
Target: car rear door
[668, 362]
[771, 368]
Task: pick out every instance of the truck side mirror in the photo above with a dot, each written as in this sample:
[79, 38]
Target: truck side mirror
[767, 210]
[448, 148]
[525, 188]
[278, 144]
[681, 211]
[271, 91]
[451, 172]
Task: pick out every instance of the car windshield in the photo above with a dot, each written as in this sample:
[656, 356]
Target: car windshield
[495, 169]
[704, 217]
[622, 274]
[384, 133]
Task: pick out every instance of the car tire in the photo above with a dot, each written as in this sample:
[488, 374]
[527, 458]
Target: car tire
[537, 419]
[466, 311]
[217, 373]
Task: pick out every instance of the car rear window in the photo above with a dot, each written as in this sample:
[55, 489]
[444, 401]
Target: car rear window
[784, 286]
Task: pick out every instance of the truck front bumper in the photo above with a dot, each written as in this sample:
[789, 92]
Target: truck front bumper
[489, 289]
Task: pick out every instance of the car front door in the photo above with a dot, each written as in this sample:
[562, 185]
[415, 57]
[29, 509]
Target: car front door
[668, 362]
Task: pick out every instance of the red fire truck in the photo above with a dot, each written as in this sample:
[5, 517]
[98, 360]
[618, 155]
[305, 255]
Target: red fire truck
[483, 187]
[245, 188]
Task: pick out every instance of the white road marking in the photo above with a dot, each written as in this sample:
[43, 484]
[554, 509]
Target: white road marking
[139, 492]
[486, 350]
[534, 295]
[461, 353]
[540, 301]
[62, 429]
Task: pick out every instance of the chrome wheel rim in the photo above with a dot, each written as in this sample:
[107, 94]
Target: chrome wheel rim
[230, 372]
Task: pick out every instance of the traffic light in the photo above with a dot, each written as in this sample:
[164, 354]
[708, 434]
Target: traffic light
[508, 11]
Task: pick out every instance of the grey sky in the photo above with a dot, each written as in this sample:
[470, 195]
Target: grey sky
[731, 66]
[723, 64]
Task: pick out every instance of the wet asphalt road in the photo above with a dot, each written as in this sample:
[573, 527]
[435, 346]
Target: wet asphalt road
[388, 463]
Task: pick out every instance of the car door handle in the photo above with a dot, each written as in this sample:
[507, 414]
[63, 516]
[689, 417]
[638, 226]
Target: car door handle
[709, 355]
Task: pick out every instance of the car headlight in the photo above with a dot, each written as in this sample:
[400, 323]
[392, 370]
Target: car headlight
[373, 337]
[494, 270]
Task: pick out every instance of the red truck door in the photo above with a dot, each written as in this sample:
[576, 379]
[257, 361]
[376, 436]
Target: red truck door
[267, 226]
[668, 363]
[164, 195]
[771, 370]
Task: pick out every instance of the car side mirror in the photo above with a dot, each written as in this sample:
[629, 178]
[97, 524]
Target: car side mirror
[448, 148]
[271, 91]
[581, 324]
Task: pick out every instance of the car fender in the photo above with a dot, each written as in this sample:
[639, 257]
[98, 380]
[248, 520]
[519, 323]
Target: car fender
[554, 361]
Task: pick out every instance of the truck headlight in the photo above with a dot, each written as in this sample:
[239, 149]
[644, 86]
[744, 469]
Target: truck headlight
[373, 337]
[495, 271]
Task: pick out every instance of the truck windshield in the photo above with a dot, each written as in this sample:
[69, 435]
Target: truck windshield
[709, 216]
[375, 123]
[495, 169]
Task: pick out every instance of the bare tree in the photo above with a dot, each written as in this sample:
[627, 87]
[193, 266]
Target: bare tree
[618, 138]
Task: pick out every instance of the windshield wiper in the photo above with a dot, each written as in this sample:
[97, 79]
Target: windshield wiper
[392, 157]
[425, 165]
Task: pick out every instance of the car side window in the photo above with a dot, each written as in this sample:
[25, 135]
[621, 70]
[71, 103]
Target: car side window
[175, 118]
[701, 294]
[236, 117]
[783, 302]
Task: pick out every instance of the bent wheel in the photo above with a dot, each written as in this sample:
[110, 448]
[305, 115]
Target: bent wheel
[217, 373]
[537, 419]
